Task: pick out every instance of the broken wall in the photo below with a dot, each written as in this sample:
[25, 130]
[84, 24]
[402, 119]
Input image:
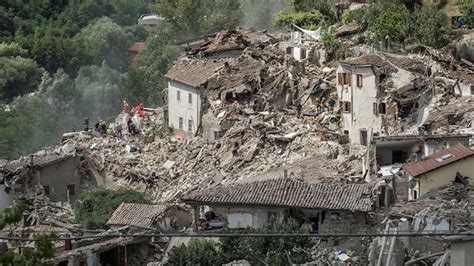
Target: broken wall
[58, 176]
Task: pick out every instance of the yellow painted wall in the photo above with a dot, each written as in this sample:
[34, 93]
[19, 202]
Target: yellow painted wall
[446, 174]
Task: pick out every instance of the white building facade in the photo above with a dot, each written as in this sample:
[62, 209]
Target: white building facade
[184, 103]
[360, 102]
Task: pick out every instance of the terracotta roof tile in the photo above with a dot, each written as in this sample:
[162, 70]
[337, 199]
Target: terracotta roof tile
[434, 161]
[137, 46]
[288, 193]
[139, 215]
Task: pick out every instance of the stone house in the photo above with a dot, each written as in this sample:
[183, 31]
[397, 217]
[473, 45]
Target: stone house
[59, 175]
[438, 169]
[187, 95]
[360, 99]
[145, 216]
[319, 208]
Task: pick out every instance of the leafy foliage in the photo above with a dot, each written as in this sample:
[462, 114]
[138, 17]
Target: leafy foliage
[93, 208]
[106, 41]
[334, 48]
[391, 19]
[197, 252]
[19, 74]
[432, 28]
[256, 250]
[467, 9]
[191, 18]
[308, 14]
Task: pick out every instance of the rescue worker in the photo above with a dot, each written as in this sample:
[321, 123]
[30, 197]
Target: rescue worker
[86, 124]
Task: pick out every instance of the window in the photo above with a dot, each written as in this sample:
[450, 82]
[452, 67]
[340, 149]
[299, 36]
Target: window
[346, 132]
[347, 78]
[344, 78]
[46, 190]
[272, 217]
[346, 107]
[190, 98]
[379, 108]
[382, 108]
[359, 80]
[303, 53]
[288, 50]
[364, 138]
[415, 194]
[190, 125]
[71, 189]
[180, 123]
[178, 95]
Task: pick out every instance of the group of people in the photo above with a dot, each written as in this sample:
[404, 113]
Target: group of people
[136, 109]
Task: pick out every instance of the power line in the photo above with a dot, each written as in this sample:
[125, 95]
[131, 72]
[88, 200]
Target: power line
[210, 235]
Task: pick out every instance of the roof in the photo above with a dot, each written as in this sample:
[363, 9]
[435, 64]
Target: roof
[286, 192]
[194, 72]
[388, 63]
[438, 159]
[137, 46]
[228, 40]
[372, 60]
[139, 215]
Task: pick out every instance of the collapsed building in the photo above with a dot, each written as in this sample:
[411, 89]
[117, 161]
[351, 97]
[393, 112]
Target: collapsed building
[242, 109]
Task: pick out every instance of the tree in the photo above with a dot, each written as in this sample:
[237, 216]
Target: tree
[99, 92]
[261, 15]
[432, 28]
[93, 208]
[467, 9]
[19, 74]
[269, 250]
[391, 19]
[147, 84]
[309, 14]
[256, 250]
[191, 18]
[105, 40]
[197, 252]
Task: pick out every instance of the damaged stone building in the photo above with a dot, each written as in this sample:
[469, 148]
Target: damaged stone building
[321, 208]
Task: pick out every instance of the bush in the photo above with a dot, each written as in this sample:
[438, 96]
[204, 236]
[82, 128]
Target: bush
[334, 48]
[467, 10]
[256, 250]
[306, 20]
[358, 15]
[93, 208]
[432, 28]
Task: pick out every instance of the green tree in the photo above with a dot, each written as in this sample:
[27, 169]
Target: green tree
[261, 15]
[269, 250]
[19, 74]
[99, 91]
[191, 18]
[105, 40]
[147, 84]
[467, 9]
[432, 29]
[309, 14]
[93, 208]
[197, 252]
[391, 19]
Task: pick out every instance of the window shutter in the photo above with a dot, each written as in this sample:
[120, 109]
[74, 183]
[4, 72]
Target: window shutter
[339, 79]
[375, 109]
[349, 108]
[359, 80]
